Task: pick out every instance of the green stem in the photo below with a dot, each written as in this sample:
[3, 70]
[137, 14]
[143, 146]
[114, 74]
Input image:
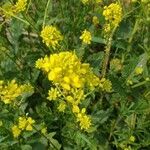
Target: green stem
[139, 84]
[49, 141]
[46, 10]
[107, 53]
[11, 14]
[132, 35]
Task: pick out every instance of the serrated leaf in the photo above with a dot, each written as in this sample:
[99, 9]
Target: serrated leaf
[54, 143]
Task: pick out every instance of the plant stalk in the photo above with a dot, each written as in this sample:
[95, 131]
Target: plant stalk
[107, 53]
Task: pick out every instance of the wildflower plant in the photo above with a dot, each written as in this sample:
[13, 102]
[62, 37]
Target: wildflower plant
[74, 75]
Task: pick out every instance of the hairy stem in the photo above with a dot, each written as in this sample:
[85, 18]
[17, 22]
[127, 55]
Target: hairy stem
[107, 53]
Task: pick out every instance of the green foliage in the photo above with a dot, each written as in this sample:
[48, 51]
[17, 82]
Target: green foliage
[116, 116]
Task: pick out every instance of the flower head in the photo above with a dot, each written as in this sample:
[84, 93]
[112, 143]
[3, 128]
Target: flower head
[9, 92]
[132, 138]
[84, 120]
[138, 70]
[16, 131]
[26, 123]
[51, 36]
[66, 70]
[53, 94]
[86, 37]
[113, 14]
[106, 85]
[12, 90]
[62, 106]
[20, 6]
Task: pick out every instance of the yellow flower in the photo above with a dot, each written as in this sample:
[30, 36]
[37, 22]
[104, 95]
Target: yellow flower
[75, 109]
[22, 123]
[66, 86]
[30, 120]
[10, 91]
[70, 99]
[29, 127]
[44, 130]
[84, 121]
[20, 6]
[95, 20]
[129, 82]
[67, 74]
[107, 27]
[113, 14]
[51, 36]
[30, 123]
[138, 70]
[106, 85]
[26, 123]
[86, 37]
[53, 94]
[71, 76]
[62, 106]
[132, 138]
[16, 131]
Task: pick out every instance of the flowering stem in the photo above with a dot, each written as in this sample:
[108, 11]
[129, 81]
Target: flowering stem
[24, 21]
[45, 14]
[107, 53]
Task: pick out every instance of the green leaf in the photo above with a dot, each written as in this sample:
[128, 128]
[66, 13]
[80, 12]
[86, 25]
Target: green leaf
[95, 61]
[26, 147]
[53, 142]
[99, 40]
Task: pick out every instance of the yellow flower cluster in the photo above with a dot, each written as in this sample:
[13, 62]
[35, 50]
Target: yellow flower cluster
[86, 37]
[53, 94]
[51, 36]
[105, 85]
[82, 118]
[132, 138]
[10, 10]
[113, 16]
[62, 106]
[67, 70]
[10, 91]
[24, 123]
[20, 6]
[70, 76]
[138, 70]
